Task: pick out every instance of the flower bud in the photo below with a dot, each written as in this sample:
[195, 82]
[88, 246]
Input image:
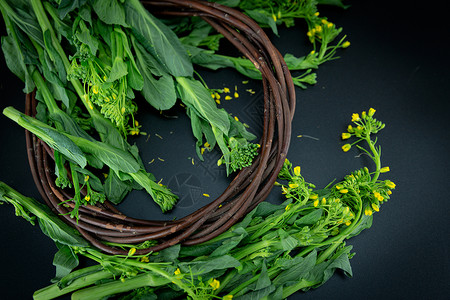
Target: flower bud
[345, 135]
[346, 147]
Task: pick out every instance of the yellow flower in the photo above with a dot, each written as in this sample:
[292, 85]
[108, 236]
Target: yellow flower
[338, 187]
[206, 195]
[132, 251]
[368, 211]
[217, 96]
[288, 207]
[284, 190]
[316, 203]
[324, 22]
[313, 196]
[227, 297]
[87, 198]
[350, 128]
[236, 95]
[343, 191]
[226, 90]
[236, 118]
[348, 223]
[297, 171]
[215, 284]
[177, 271]
[371, 112]
[95, 89]
[329, 25]
[86, 178]
[227, 97]
[363, 114]
[293, 185]
[346, 147]
[375, 207]
[218, 101]
[324, 201]
[312, 52]
[346, 135]
[384, 170]
[355, 117]
[318, 28]
[274, 17]
[144, 259]
[206, 144]
[389, 192]
[346, 44]
[213, 96]
[316, 14]
[346, 210]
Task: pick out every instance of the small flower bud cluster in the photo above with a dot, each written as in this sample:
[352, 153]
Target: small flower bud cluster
[363, 126]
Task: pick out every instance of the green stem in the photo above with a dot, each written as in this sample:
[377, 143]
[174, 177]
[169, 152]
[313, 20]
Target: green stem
[118, 286]
[376, 158]
[253, 249]
[43, 88]
[77, 280]
[287, 291]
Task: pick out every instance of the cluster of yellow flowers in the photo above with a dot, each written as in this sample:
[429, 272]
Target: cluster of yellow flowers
[365, 123]
[215, 94]
[212, 284]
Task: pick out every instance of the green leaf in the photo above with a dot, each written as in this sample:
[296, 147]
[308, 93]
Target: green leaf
[365, 223]
[210, 264]
[262, 18]
[55, 57]
[115, 189]
[338, 3]
[49, 223]
[159, 93]
[26, 20]
[134, 78]
[288, 242]
[264, 279]
[67, 6]
[208, 59]
[256, 295]
[118, 70]
[199, 250]
[50, 136]
[195, 95]
[65, 261]
[229, 244]
[108, 132]
[147, 61]
[158, 39]
[168, 254]
[69, 125]
[84, 35]
[310, 219]
[115, 158]
[299, 63]
[15, 62]
[110, 11]
[297, 270]
[52, 228]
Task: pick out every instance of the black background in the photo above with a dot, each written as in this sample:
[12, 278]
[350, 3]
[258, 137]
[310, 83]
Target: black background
[397, 63]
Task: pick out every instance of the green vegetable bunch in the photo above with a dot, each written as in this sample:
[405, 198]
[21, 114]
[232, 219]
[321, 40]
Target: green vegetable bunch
[195, 34]
[94, 56]
[273, 252]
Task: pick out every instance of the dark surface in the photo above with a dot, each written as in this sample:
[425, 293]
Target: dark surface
[396, 64]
